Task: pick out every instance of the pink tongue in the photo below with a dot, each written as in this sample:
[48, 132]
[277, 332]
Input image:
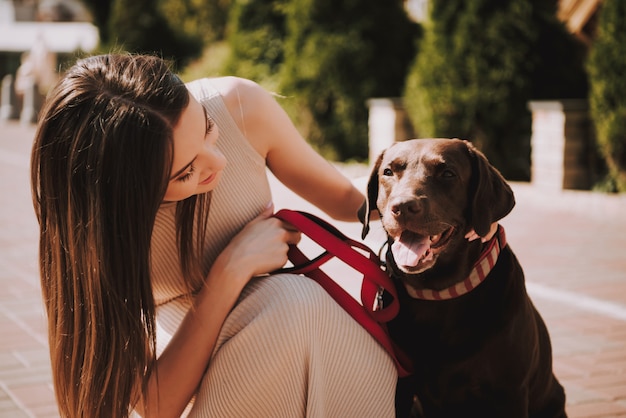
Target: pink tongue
[410, 249]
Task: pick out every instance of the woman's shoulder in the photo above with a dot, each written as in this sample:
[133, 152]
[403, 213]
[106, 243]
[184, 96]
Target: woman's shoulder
[241, 96]
[233, 88]
[248, 101]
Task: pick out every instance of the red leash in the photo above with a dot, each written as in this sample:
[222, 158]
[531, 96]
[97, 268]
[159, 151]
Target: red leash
[369, 313]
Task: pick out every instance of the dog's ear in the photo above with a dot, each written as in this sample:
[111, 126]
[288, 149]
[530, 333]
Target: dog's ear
[370, 200]
[492, 198]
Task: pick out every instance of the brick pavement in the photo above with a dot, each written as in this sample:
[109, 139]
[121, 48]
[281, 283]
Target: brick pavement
[571, 244]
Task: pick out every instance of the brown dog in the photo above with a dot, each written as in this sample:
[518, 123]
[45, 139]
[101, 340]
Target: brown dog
[479, 346]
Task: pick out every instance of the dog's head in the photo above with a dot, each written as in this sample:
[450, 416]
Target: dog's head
[430, 193]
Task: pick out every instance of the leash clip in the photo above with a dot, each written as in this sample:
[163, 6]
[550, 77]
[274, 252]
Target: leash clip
[379, 303]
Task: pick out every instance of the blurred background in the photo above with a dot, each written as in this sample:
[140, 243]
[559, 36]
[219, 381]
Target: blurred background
[536, 84]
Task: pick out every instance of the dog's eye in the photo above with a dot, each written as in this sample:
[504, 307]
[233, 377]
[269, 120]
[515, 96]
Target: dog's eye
[448, 173]
[387, 172]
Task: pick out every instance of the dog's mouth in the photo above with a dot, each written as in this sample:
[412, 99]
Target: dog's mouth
[414, 252]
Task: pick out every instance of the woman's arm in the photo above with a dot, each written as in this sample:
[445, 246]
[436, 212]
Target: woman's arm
[259, 248]
[288, 155]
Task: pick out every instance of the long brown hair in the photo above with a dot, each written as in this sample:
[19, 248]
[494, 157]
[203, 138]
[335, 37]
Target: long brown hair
[100, 166]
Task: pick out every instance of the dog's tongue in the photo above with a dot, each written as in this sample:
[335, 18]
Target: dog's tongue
[410, 248]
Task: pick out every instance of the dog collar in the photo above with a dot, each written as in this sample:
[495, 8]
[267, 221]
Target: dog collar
[479, 272]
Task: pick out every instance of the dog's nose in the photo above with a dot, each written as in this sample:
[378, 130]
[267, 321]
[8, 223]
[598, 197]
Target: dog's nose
[407, 207]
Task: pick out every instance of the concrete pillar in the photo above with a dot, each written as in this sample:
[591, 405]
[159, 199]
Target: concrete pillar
[561, 149]
[9, 103]
[32, 100]
[387, 123]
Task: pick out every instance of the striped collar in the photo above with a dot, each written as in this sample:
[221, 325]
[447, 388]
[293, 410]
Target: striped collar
[481, 269]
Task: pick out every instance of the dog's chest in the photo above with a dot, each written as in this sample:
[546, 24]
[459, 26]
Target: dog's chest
[456, 329]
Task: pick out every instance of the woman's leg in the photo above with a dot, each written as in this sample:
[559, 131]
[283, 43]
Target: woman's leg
[288, 350]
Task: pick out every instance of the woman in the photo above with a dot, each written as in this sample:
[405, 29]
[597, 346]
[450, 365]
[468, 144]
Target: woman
[158, 301]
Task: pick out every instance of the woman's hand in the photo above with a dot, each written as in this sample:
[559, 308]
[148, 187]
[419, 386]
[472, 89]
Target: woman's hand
[260, 247]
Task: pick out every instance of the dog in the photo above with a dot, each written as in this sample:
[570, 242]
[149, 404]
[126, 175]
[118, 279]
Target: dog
[478, 345]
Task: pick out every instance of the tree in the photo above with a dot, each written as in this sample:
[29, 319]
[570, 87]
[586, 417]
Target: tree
[256, 39]
[101, 11]
[339, 53]
[204, 20]
[139, 26]
[607, 66]
[480, 62]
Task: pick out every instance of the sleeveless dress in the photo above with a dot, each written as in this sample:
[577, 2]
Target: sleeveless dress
[286, 349]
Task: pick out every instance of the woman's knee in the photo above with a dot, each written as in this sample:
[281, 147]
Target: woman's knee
[289, 292]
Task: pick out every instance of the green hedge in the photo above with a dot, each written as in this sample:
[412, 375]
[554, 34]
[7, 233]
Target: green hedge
[480, 62]
[256, 36]
[140, 26]
[607, 74]
[339, 54]
[326, 58]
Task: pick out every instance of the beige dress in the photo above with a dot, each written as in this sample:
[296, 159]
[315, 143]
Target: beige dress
[287, 349]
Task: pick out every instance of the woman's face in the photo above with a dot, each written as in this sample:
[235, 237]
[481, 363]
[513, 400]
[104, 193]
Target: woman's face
[198, 164]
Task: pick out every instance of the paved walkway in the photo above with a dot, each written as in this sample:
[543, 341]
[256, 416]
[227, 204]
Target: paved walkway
[572, 246]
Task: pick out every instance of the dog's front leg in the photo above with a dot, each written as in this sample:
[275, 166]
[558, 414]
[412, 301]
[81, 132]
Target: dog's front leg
[407, 405]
